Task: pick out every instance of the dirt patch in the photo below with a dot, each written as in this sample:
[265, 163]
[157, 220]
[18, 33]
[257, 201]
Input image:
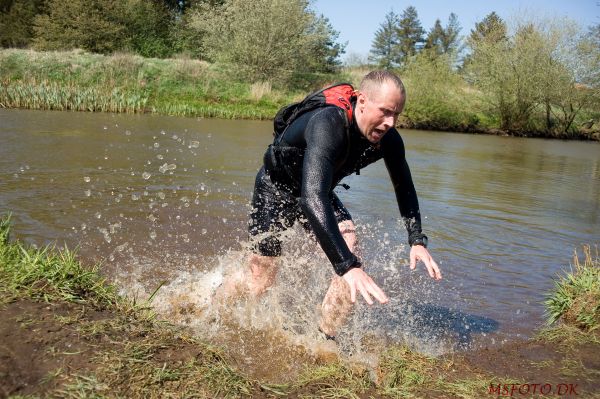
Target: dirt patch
[39, 345]
[47, 348]
[559, 366]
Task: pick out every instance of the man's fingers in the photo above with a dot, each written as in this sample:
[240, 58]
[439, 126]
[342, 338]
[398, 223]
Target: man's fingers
[379, 294]
[418, 253]
[365, 294]
[436, 270]
[433, 269]
[352, 293]
[373, 289]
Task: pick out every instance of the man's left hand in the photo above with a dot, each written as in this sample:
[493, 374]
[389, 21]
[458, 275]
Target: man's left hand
[420, 253]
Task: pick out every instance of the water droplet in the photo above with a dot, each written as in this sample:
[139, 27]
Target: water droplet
[161, 195]
[98, 215]
[88, 193]
[204, 231]
[194, 144]
[153, 235]
[127, 133]
[86, 179]
[156, 145]
[146, 175]
[166, 167]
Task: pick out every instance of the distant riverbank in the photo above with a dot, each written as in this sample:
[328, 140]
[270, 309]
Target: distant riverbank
[81, 81]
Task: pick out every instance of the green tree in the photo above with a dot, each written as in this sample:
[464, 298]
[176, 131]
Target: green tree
[16, 21]
[410, 33]
[491, 29]
[148, 25]
[434, 92]
[444, 40]
[324, 51]
[539, 70]
[451, 39]
[266, 40]
[105, 26]
[384, 49]
[572, 73]
[93, 25]
[435, 38]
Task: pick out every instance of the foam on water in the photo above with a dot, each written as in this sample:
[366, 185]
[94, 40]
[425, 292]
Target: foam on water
[290, 309]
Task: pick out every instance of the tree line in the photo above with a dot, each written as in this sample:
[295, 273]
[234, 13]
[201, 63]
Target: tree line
[534, 76]
[275, 40]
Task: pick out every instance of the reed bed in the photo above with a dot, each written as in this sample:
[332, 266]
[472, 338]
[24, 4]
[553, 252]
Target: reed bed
[80, 81]
[54, 96]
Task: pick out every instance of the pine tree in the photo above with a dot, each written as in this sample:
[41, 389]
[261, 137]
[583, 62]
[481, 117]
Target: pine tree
[435, 38]
[492, 28]
[451, 39]
[410, 33]
[384, 50]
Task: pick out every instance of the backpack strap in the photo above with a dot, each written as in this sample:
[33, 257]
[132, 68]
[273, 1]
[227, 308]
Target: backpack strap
[339, 95]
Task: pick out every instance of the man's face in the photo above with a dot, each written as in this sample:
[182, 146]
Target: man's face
[378, 111]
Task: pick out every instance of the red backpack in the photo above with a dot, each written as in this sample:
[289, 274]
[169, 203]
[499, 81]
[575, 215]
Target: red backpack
[341, 95]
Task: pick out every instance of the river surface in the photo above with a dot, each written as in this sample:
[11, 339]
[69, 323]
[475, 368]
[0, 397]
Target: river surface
[163, 201]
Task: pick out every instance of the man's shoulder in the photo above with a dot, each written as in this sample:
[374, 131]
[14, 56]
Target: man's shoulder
[330, 113]
[392, 143]
[392, 137]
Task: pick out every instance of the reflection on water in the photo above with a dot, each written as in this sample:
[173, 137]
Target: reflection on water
[162, 199]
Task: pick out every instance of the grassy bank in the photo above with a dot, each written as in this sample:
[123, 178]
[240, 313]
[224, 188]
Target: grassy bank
[81, 81]
[575, 300]
[68, 334]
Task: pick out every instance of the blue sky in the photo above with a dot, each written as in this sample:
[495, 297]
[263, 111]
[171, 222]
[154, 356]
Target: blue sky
[358, 20]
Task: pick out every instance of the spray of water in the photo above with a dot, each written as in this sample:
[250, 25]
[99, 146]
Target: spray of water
[177, 222]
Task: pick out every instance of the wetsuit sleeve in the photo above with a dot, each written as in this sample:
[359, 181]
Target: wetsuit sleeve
[326, 146]
[406, 195]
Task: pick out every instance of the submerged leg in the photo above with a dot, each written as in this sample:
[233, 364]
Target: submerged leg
[336, 305]
[253, 280]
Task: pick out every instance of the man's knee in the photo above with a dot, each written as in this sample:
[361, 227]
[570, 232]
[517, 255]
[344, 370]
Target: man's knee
[263, 270]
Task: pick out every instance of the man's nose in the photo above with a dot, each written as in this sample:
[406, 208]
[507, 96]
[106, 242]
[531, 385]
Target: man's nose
[388, 122]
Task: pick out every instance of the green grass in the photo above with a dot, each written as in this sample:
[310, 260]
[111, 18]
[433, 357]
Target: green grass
[48, 274]
[133, 360]
[576, 296]
[136, 355]
[80, 81]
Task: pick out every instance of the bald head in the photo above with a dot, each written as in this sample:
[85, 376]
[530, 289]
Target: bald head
[379, 102]
[373, 81]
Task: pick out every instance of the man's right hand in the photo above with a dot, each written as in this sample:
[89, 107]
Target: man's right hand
[360, 281]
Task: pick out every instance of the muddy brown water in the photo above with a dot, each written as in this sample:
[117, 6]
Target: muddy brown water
[163, 201]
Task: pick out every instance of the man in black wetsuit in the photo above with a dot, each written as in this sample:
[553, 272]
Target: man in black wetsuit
[296, 183]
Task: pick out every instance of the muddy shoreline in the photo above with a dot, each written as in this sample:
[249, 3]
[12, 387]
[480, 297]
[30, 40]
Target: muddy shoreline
[52, 347]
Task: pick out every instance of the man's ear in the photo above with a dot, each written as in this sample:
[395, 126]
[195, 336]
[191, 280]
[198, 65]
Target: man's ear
[361, 99]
